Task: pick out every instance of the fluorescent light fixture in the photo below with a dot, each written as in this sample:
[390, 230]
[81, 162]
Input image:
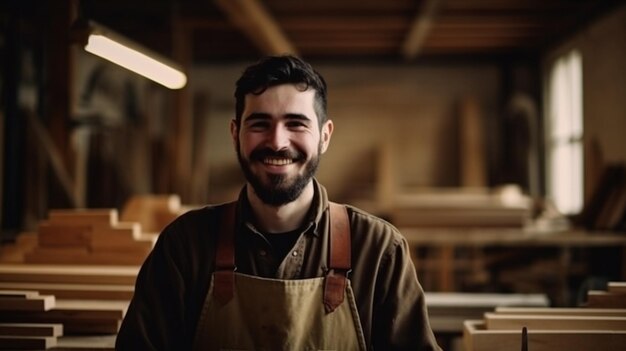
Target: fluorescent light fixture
[121, 51]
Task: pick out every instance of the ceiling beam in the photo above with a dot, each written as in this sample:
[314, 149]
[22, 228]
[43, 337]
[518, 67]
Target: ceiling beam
[258, 25]
[420, 28]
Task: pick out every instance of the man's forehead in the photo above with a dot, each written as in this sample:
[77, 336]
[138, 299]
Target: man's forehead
[282, 99]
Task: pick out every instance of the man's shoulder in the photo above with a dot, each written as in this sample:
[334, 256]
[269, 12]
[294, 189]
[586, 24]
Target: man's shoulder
[360, 214]
[366, 223]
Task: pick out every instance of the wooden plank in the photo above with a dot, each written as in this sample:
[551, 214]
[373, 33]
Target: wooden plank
[564, 311]
[495, 321]
[77, 316]
[420, 29]
[484, 300]
[31, 329]
[92, 327]
[251, 17]
[617, 287]
[122, 275]
[153, 211]
[14, 253]
[70, 251]
[88, 342]
[94, 217]
[477, 338]
[122, 230]
[448, 311]
[77, 291]
[37, 303]
[28, 343]
[75, 326]
[121, 238]
[77, 309]
[24, 294]
[67, 234]
[605, 299]
[81, 256]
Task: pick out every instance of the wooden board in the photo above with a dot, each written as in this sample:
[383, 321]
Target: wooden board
[77, 291]
[28, 343]
[562, 311]
[24, 294]
[477, 338]
[31, 329]
[53, 235]
[122, 275]
[494, 321]
[447, 311]
[154, 212]
[77, 316]
[37, 303]
[89, 342]
[605, 299]
[617, 287]
[86, 257]
[93, 217]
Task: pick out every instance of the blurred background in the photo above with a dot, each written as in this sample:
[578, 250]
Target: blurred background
[491, 133]
[452, 118]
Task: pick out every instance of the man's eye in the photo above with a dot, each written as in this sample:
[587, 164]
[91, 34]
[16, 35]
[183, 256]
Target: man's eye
[258, 125]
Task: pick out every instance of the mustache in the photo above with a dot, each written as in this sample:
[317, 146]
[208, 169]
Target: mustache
[262, 153]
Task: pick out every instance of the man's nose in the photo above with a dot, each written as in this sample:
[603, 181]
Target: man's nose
[278, 137]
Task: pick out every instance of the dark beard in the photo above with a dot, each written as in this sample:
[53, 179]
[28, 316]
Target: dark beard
[280, 190]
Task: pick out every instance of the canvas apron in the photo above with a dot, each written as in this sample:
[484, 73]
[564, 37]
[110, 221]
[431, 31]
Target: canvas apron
[243, 312]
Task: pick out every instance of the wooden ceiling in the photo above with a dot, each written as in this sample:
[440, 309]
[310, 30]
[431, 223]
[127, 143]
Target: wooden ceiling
[399, 30]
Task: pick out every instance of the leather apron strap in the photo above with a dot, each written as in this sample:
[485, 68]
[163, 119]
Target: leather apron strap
[339, 257]
[223, 277]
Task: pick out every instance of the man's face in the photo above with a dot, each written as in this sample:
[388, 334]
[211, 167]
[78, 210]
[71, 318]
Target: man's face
[279, 142]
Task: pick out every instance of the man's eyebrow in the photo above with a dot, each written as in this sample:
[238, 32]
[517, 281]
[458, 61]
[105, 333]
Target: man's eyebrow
[256, 116]
[298, 116]
[262, 116]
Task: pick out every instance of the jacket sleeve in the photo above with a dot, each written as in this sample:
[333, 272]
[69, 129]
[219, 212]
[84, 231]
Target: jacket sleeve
[155, 318]
[401, 320]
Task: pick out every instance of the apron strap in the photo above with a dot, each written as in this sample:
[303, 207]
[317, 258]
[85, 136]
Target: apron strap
[340, 257]
[339, 260]
[224, 275]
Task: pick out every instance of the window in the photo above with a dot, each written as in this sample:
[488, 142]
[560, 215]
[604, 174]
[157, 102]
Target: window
[564, 133]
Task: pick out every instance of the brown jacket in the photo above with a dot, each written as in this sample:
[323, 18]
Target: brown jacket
[173, 281]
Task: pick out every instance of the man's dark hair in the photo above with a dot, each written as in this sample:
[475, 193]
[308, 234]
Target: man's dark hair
[277, 70]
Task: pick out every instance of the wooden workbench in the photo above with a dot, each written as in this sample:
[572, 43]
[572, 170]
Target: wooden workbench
[444, 241]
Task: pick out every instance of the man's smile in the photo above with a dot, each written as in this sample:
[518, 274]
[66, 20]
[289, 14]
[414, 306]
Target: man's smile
[277, 161]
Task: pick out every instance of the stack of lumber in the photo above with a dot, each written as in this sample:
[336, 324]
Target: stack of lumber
[89, 236]
[448, 311]
[71, 282]
[454, 208]
[14, 252]
[600, 325]
[613, 297]
[86, 304]
[26, 335]
[154, 212]
[32, 336]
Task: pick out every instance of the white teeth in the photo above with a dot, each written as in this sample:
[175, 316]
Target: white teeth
[278, 161]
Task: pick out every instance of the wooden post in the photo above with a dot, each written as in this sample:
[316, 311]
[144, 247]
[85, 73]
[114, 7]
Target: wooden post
[59, 79]
[183, 122]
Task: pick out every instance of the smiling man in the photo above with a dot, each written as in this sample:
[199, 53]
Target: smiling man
[281, 268]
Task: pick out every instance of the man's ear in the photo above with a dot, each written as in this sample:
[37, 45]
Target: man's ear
[325, 134]
[234, 132]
